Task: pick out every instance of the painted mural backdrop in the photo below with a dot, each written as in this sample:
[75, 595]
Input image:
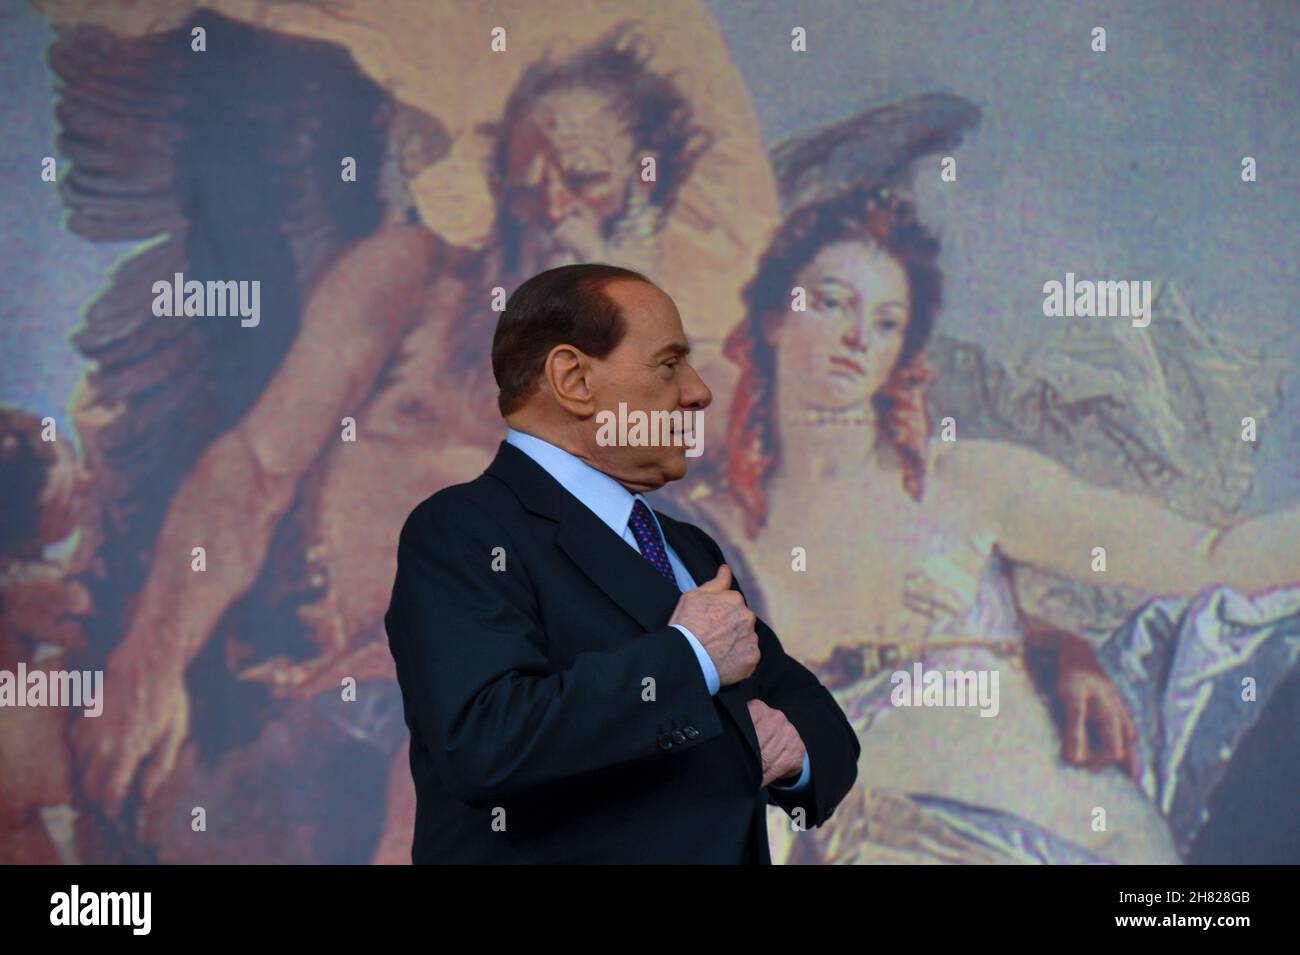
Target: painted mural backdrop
[254, 253]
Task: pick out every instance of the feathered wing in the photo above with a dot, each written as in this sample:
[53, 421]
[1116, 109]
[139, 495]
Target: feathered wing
[878, 146]
[1156, 414]
[226, 165]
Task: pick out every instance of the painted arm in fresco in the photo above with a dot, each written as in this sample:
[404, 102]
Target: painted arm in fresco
[232, 500]
[1046, 516]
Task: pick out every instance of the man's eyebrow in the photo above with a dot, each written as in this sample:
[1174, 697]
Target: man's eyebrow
[675, 348]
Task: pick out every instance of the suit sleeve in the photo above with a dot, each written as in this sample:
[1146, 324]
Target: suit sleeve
[828, 737]
[473, 668]
[833, 748]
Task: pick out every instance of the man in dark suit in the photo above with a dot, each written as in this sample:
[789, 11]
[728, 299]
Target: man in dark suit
[572, 694]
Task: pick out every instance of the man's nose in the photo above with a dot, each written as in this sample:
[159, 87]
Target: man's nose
[696, 394]
[559, 199]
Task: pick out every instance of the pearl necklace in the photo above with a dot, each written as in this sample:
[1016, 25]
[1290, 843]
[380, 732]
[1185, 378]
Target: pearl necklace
[820, 416]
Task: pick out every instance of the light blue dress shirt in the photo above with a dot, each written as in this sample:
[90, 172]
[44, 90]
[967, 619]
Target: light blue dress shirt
[612, 503]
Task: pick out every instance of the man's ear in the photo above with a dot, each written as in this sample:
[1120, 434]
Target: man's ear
[567, 373]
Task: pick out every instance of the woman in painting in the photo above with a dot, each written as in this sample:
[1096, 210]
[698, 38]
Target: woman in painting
[878, 544]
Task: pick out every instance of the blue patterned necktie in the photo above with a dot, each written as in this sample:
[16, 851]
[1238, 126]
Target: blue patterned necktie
[647, 537]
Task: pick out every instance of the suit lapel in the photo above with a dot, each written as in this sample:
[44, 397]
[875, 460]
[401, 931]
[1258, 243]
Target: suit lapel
[620, 572]
[624, 575]
[697, 560]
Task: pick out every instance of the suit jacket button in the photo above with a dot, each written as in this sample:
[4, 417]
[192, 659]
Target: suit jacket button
[691, 732]
[679, 736]
[665, 741]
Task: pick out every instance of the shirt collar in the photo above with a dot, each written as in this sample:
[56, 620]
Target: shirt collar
[602, 495]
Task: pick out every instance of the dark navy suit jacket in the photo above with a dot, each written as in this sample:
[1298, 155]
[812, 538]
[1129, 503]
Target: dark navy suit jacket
[528, 637]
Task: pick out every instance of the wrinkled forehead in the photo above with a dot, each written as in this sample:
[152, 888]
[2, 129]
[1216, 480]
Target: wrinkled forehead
[577, 119]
